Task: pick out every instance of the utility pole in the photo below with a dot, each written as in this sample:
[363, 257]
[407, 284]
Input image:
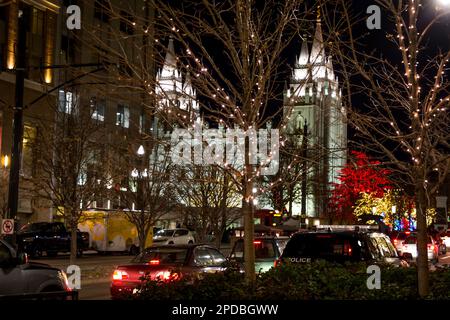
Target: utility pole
[16, 151]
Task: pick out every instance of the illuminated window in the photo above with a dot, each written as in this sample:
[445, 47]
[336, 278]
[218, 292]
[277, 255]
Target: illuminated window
[142, 123]
[29, 134]
[66, 102]
[98, 109]
[123, 116]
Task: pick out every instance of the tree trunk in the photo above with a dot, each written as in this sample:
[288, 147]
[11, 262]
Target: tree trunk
[247, 210]
[422, 255]
[73, 243]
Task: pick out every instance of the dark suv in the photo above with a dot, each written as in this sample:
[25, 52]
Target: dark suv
[49, 237]
[340, 246]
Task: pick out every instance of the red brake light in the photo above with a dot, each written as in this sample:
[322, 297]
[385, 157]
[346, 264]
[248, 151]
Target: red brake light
[395, 241]
[408, 232]
[257, 242]
[154, 262]
[120, 275]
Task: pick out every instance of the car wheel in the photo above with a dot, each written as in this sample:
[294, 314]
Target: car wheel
[134, 251]
[170, 242]
[190, 242]
[36, 252]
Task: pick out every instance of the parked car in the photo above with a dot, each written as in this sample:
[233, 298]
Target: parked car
[38, 238]
[410, 248]
[446, 238]
[18, 276]
[397, 238]
[173, 236]
[440, 243]
[267, 251]
[169, 262]
[341, 244]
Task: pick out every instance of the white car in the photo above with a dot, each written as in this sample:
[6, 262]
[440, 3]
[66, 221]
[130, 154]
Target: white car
[173, 236]
[410, 248]
[446, 238]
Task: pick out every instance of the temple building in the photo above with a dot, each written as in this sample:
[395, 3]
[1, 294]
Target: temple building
[312, 103]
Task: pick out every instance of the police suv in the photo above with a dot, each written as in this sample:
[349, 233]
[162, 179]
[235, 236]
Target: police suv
[335, 243]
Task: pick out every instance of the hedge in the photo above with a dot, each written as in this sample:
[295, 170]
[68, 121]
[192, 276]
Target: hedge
[315, 281]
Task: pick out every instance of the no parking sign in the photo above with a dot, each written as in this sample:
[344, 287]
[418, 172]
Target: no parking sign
[8, 226]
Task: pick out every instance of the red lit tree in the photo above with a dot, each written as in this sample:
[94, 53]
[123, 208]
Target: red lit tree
[360, 175]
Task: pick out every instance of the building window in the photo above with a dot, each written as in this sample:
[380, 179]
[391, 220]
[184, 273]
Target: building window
[123, 116]
[101, 10]
[29, 135]
[126, 22]
[66, 102]
[98, 109]
[142, 123]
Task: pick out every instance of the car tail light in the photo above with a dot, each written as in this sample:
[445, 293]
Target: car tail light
[120, 275]
[257, 242]
[431, 246]
[395, 242]
[154, 262]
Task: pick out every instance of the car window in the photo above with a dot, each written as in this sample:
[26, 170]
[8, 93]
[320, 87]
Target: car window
[165, 233]
[218, 257]
[382, 245]
[202, 257]
[163, 256]
[281, 245]
[238, 250]
[5, 254]
[179, 233]
[57, 228]
[401, 236]
[410, 240]
[32, 227]
[322, 246]
[264, 249]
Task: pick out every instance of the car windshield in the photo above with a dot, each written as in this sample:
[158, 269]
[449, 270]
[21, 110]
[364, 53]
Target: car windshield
[413, 240]
[165, 233]
[401, 236]
[162, 256]
[32, 227]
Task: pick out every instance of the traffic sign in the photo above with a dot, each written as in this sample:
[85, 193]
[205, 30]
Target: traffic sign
[8, 226]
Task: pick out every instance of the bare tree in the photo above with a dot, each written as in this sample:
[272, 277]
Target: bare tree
[233, 51]
[405, 115]
[210, 198]
[69, 154]
[147, 185]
